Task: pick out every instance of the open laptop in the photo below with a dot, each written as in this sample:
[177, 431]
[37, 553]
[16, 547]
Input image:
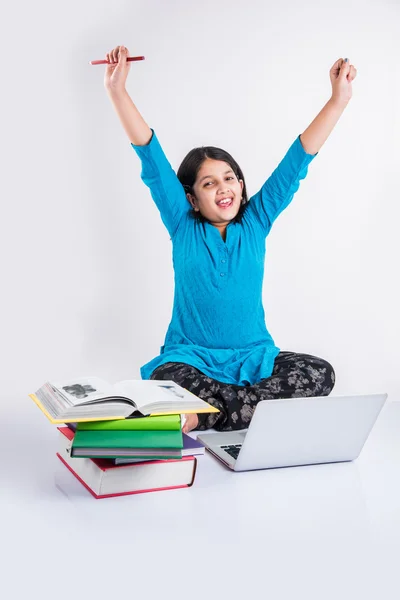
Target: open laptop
[298, 431]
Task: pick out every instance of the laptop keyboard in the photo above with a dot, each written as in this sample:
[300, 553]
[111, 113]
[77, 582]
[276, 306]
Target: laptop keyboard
[233, 450]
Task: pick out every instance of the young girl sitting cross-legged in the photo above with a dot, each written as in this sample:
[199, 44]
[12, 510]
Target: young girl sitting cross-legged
[217, 345]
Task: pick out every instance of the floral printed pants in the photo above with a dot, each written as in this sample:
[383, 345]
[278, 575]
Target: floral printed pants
[293, 376]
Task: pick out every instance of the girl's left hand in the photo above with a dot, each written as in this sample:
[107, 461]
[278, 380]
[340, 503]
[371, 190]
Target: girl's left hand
[341, 75]
[191, 423]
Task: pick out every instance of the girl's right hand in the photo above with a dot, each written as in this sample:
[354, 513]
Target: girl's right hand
[117, 70]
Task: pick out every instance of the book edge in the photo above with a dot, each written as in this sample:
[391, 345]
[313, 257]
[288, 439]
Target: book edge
[69, 435]
[101, 496]
[78, 420]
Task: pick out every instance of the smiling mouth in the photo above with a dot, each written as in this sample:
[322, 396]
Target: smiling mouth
[225, 204]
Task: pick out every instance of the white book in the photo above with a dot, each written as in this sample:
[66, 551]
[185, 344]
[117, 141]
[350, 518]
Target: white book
[93, 399]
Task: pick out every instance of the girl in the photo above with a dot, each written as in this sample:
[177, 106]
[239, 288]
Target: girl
[217, 345]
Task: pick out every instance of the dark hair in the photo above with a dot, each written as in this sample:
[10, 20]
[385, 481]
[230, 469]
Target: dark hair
[189, 168]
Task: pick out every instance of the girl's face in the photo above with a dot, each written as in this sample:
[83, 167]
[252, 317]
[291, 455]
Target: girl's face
[216, 182]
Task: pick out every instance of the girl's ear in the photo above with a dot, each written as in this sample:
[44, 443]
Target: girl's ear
[192, 201]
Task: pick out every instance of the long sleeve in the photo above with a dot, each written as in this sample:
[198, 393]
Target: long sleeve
[279, 189]
[166, 189]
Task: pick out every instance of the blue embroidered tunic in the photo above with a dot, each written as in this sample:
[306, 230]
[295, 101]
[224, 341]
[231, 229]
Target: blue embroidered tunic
[218, 321]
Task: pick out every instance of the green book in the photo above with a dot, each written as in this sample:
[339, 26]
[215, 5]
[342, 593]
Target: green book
[161, 423]
[135, 444]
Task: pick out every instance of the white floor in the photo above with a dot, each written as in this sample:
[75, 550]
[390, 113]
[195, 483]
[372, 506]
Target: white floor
[317, 532]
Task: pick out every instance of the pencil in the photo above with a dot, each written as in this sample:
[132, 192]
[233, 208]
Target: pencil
[104, 62]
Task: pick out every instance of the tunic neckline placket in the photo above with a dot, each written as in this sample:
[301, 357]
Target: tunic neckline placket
[221, 242]
[223, 248]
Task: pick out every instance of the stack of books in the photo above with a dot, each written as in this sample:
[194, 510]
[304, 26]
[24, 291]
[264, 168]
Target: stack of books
[124, 438]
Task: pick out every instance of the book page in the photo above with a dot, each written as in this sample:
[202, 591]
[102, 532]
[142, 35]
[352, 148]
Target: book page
[84, 390]
[149, 391]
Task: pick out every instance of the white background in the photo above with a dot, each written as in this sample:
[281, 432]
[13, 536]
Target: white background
[87, 279]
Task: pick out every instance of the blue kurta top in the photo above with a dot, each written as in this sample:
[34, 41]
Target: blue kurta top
[218, 320]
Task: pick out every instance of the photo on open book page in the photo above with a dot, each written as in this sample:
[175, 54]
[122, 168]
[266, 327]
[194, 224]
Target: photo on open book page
[172, 389]
[78, 390]
[84, 389]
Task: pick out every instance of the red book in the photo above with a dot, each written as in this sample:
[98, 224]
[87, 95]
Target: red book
[103, 479]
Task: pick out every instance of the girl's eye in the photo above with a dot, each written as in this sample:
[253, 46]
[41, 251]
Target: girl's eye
[210, 182]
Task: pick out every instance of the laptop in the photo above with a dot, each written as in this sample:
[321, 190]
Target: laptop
[298, 431]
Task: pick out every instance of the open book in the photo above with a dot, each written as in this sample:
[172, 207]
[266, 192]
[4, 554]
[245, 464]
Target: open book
[93, 399]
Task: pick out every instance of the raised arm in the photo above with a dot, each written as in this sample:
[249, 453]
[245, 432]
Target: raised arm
[157, 173]
[137, 130]
[279, 189]
[277, 192]
[341, 74]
